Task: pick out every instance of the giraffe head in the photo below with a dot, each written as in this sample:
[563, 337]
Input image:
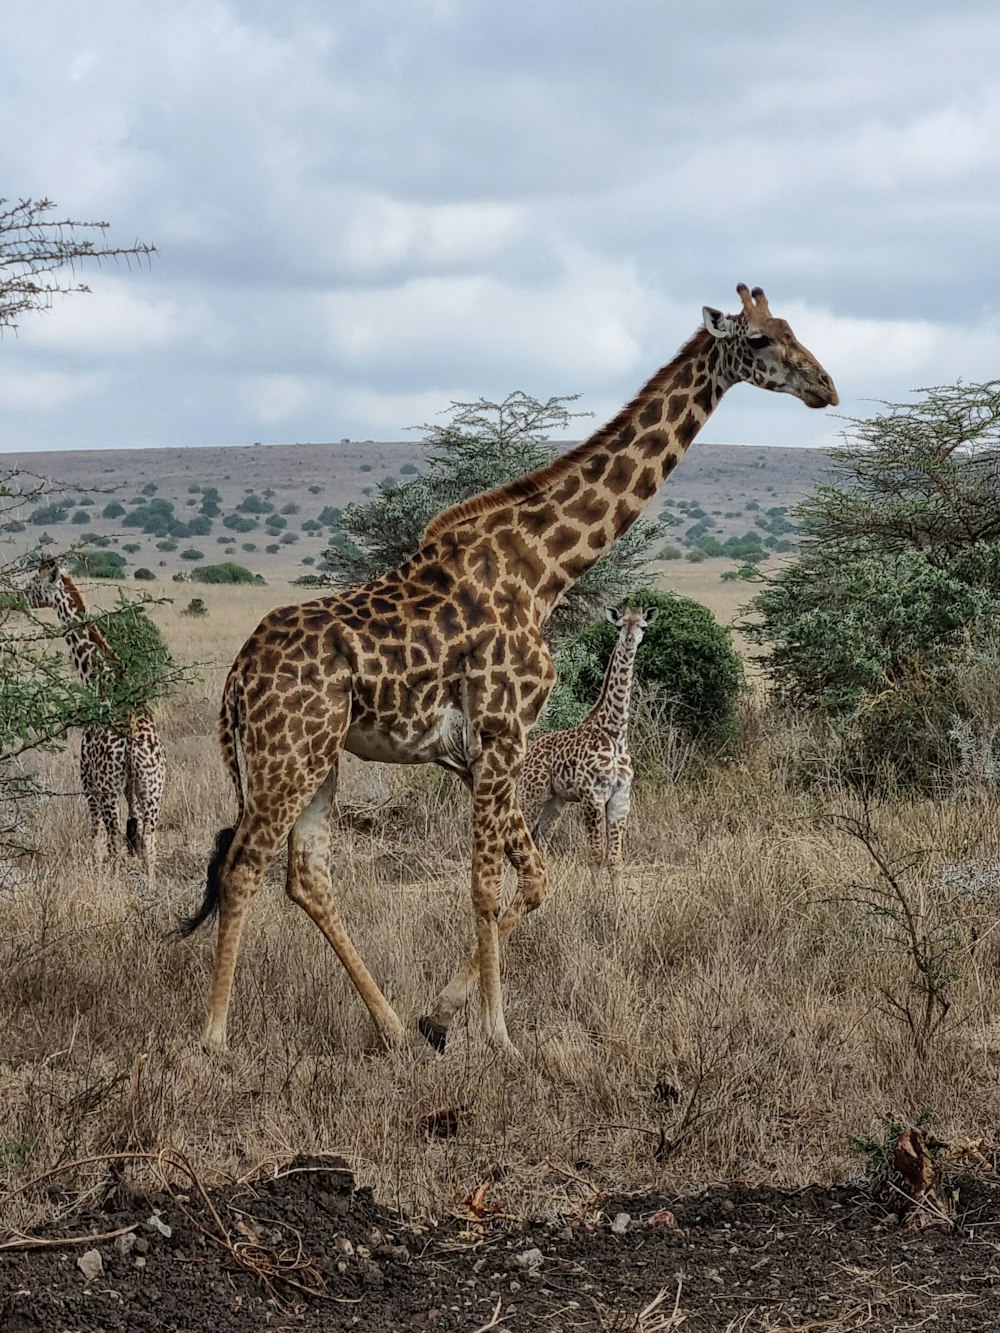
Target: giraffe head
[759, 349]
[631, 623]
[45, 586]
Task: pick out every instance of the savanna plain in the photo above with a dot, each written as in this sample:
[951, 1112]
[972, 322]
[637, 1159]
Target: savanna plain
[698, 1055]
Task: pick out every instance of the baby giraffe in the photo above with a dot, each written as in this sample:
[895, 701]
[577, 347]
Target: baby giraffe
[590, 762]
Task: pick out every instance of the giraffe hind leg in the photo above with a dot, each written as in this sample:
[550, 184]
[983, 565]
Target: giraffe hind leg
[308, 884]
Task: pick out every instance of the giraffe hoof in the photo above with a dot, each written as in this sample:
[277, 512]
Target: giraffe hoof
[433, 1032]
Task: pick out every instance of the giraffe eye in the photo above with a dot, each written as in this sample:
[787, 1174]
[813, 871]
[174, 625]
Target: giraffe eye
[758, 342]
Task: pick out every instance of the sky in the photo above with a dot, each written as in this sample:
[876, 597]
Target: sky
[365, 211]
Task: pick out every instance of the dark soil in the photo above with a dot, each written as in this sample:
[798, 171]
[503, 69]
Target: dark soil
[750, 1259]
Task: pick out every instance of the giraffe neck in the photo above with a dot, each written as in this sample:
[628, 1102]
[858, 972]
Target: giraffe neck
[89, 650]
[558, 521]
[611, 710]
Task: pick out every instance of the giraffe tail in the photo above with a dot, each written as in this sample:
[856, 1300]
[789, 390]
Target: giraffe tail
[228, 731]
[210, 902]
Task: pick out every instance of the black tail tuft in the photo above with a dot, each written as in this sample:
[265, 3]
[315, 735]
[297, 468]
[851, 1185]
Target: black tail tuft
[210, 902]
[132, 835]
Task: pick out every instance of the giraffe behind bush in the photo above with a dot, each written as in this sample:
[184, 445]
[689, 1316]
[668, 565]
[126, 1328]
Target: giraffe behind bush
[115, 759]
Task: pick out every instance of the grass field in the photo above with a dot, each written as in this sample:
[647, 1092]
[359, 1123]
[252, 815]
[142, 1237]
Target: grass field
[752, 1007]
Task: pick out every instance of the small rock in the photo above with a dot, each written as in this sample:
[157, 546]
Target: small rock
[344, 1246]
[139, 1262]
[529, 1259]
[479, 1265]
[620, 1225]
[90, 1264]
[141, 1245]
[566, 1234]
[156, 1223]
[125, 1244]
[727, 1206]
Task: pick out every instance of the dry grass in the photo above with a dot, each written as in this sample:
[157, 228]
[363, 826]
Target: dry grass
[745, 974]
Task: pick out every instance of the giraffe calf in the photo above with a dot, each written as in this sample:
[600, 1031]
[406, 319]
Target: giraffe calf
[589, 764]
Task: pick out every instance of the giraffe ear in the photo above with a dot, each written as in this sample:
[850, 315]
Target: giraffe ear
[718, 324]
[614, 615]
[650, 614]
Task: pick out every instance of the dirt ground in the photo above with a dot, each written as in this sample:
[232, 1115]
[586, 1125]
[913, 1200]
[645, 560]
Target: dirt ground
[303, 1249]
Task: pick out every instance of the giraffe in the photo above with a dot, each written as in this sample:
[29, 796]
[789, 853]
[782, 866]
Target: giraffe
[444, 661]
[114, 759]
[590, 762]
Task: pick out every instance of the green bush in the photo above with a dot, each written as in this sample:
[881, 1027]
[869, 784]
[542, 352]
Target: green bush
[315, 489]
[408, 470]
[196, 607]
[237, 523]
[133, 548]
[192, 553]
[166, 545]
[254, 504]
[56, 512]
[686, 654]
[227, 572]
[275, 523]
[81, 516]
[97, 564]
[144, 575]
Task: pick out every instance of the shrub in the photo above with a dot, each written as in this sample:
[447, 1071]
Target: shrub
[275, 523]
[273, 549]
[315, 489]
[669, 552]
[166, 545]
[290, 508]
[192, 553]
[238, 523]
[144, 575]
[408, 470]
[289, 538]
[133, 548]
[254, 504]
[196, 607]
[227, 572]
[81, 516]
[97, 564]
[56, 512]
[686, 654]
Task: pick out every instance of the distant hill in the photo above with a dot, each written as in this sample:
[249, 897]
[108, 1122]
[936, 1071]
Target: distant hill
[732, 486]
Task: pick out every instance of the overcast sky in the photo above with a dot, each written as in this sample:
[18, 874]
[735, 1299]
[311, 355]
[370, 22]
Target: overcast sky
[365, 210]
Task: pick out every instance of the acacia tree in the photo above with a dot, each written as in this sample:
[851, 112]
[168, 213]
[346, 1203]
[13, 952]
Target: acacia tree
[894, 596]
[40, 699]
[35, 249]
[482, 445]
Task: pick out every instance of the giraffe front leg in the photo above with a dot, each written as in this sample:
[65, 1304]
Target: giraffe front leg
[532, 882]
[617, 812]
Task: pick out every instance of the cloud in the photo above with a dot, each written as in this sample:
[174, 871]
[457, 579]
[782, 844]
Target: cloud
[361, 210]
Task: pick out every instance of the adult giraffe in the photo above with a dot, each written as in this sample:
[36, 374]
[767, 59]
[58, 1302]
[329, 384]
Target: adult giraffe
[443, 661]
[115, 759]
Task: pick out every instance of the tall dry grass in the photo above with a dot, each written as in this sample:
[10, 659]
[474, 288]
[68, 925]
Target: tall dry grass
[741, 1015]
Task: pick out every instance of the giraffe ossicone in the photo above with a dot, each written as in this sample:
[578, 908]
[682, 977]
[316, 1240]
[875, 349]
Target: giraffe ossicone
[124, 759]
[444, 661]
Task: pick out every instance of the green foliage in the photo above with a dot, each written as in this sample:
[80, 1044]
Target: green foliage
[81, 516]
[192, 553]
[133, 548]
[289, 538]
[239, 523]
[669, 552]
[686, 655]
[290, 508]
[55, 512]
[97, 564]
[254, 504]
[483, 445]
[227, 572]
[196, 607]
[408, 470]
[144, 575]
[896, 589]
[141, 649]
[275, 523]
[167, 545]
[315, 489]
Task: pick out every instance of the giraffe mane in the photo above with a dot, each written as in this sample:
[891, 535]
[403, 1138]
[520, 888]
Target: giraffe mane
[534, 484]
[79, 606]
